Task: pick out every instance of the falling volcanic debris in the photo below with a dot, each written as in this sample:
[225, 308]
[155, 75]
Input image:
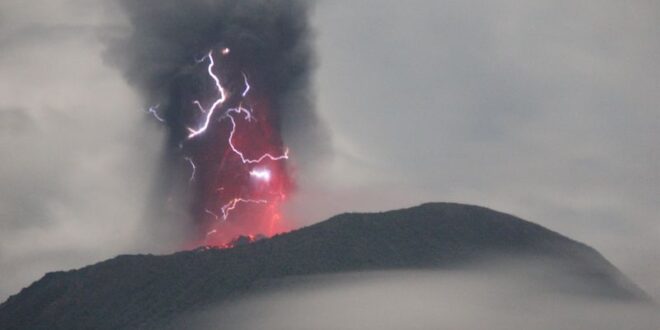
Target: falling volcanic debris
[225, 78]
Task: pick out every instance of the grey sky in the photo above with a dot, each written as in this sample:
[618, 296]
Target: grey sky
[545, 109]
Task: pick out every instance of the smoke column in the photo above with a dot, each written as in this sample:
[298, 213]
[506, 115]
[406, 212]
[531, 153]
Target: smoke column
[227, 79]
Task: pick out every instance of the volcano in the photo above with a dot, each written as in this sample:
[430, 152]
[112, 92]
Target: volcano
[147, 291]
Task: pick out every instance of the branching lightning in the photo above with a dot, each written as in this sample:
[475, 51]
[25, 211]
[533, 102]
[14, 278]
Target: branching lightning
[232, 205]
[219, 101]
[246, 160]
[209, 114]
[262, 174]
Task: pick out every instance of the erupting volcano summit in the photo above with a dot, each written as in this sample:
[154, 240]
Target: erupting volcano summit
[230, 81]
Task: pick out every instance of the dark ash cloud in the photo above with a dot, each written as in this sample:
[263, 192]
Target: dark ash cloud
[270, 38]
[270, 42]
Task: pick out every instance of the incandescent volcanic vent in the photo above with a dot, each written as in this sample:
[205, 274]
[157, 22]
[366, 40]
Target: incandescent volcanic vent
[226, 78]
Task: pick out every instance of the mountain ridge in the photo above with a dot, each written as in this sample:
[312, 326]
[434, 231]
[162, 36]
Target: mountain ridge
[146, 290]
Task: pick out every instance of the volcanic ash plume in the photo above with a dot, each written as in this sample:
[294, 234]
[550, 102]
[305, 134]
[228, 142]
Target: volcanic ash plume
[225, 78]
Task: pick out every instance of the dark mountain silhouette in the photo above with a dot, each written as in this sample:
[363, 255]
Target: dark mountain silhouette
[147, 291]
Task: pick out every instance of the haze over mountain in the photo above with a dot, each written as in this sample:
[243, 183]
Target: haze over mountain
[147, 291]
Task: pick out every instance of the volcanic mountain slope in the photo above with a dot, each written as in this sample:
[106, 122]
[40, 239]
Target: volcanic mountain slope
[146, 291]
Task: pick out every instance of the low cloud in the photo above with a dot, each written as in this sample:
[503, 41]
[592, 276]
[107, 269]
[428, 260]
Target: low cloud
[466, 299]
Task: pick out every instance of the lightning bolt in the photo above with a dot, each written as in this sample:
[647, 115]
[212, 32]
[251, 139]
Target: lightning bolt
[232, 205]
[211, 233]
[199, 106]
[207, 211]
[239, 110]
[153, 110]
[193, 166]
[211, 109]
[246, 160]
[247, 85]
